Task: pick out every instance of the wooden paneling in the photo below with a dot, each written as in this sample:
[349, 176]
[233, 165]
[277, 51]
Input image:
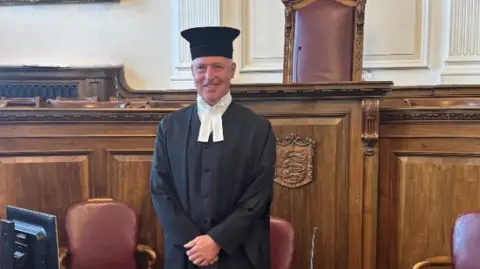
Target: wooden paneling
[52, 82]
[51, 158]
[396, 97]
[322, 203]
[35, 180]
[128, 174]
[429, 173]
[50, 166]
[428, 170]
[427, 156]
[335, 200]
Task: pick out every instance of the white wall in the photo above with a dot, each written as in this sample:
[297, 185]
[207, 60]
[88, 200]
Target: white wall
[409, 42]
[136, 33]
[463, 61]
[406, 41]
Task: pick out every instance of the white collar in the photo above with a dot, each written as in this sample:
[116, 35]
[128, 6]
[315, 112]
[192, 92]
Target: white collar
[211, 118]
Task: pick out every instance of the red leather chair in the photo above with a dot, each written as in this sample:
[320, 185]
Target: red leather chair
[465, 245]
[102, 233]
[281, 243]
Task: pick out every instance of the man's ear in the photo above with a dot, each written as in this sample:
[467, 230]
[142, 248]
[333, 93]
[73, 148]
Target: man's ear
[234, 68]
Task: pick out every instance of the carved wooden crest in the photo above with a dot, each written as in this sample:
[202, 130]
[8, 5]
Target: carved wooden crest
[294, 167]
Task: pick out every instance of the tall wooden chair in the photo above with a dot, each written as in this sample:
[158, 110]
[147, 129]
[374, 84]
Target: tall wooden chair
[323, 40]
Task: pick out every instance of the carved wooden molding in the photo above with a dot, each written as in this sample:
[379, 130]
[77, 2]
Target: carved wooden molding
[288, 41]
[105, 82]
[43, 2]
[439, 114]
[265, 91]
[302, 3]
[294, 167]
[370, 125]
[291, 2]
[51, 82]
[358, 40]
[91, 115]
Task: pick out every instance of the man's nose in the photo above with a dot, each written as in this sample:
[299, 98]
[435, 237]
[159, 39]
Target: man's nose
[209, 73]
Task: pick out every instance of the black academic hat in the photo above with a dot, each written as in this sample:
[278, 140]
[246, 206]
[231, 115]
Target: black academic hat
[211, 41]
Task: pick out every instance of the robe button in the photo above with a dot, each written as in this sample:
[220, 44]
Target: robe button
[205, 195]
[206, 170]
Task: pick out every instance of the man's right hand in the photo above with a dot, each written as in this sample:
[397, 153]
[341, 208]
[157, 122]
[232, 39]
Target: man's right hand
[203, 251]
[207, 263]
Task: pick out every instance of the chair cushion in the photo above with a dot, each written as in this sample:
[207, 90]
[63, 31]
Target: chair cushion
[101, 235]
[281, 243]
[466, 241]
[324, 31]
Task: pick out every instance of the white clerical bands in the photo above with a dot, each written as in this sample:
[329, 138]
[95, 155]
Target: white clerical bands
[211, 118]
[211, 121]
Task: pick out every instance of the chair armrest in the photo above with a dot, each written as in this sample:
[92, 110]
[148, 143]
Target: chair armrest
[434, 261]
[149, 251]
[62, 257]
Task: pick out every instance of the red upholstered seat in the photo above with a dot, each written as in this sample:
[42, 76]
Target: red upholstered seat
[103, 234]
[281, 243]
[466, 241]
[465, 245]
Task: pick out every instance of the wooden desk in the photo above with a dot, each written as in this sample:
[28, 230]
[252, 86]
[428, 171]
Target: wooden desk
[52, 158]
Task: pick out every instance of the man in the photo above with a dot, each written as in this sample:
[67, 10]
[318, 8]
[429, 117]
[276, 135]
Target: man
[213, 168]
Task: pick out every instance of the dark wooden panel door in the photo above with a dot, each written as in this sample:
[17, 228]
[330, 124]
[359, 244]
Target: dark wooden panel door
[424, 183]
[338, 196]
[320, 202]
[44, 181]
[128, 175]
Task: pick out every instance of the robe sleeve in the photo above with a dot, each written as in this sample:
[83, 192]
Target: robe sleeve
[254, 203]
[175, 222]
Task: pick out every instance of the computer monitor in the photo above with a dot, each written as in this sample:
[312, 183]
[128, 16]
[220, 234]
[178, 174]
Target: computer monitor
[7, 247]
[35, 239]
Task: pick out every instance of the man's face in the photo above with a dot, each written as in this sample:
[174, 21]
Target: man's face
[212, 76]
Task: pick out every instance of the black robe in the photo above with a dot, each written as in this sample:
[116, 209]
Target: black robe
[223, 189]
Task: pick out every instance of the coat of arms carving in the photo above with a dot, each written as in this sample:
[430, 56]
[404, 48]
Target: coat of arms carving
[294, 167]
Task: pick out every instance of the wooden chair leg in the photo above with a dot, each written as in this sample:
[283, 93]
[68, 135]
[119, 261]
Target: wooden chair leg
[434, 261]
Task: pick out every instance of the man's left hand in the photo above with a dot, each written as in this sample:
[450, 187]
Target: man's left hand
[202, 249]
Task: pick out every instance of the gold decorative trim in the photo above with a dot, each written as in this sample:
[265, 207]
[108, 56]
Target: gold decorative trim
[358, 40]
[288, 45]
[304, 3]
[370, 125]
[439, 114]
[294, 167]
[91, 115]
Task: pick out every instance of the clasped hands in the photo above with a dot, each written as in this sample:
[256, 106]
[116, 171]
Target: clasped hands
[203, 251]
